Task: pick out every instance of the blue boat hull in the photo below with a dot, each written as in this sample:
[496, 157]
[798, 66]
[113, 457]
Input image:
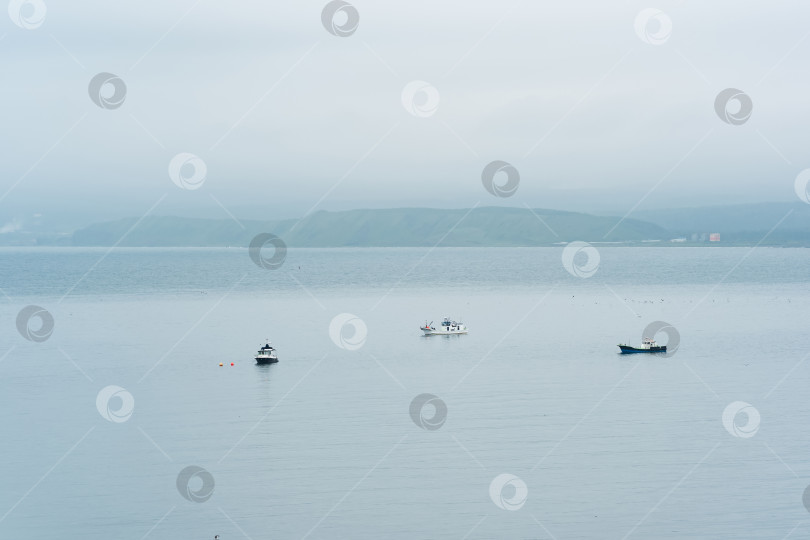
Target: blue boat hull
[626, 349]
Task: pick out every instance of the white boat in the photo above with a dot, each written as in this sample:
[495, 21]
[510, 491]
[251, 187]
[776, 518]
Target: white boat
[448, 327]
[266, 355]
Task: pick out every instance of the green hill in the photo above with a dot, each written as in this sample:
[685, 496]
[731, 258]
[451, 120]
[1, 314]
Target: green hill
[392, 227]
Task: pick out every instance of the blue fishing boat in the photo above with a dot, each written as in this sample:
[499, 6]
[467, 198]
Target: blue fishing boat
[648, 345]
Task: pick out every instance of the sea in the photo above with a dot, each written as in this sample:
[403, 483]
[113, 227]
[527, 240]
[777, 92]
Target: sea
[131, 406]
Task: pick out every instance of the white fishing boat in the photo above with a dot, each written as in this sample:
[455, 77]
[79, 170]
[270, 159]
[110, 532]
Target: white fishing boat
[446, 328]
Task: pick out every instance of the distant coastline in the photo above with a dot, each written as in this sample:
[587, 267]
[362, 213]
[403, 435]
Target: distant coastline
[767, 224]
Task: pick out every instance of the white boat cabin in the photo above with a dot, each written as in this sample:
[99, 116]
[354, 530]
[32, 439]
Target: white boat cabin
[648, 343]
[266, 352]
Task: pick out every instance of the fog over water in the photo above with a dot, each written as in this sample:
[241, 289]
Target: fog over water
[598, 105]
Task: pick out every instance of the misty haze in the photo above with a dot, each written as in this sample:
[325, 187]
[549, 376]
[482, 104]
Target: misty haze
[337, 269]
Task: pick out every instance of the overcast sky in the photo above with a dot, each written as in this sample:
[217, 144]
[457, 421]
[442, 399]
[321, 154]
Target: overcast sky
[595, 109]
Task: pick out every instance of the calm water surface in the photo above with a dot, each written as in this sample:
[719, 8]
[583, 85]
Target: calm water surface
[322, 445]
